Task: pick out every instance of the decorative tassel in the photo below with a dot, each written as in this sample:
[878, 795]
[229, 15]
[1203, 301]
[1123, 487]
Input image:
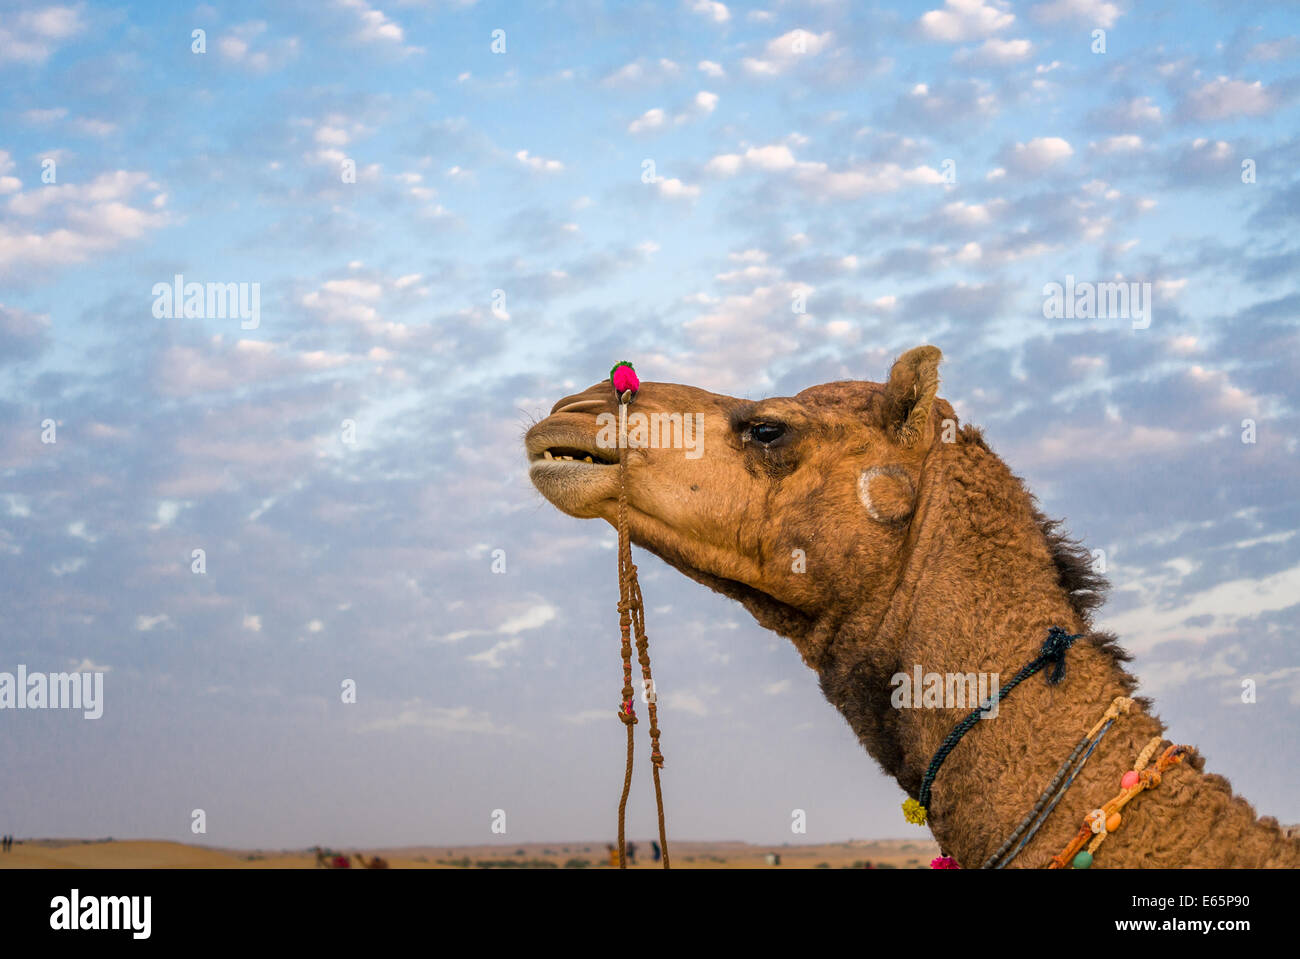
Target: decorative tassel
[624, 378]
[944, 862]
[914, 812]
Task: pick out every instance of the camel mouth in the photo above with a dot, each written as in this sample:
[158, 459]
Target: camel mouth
[575, 454]
[569, 467]
[560, 440]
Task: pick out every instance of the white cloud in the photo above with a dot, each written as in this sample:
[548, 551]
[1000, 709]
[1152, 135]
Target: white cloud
[31, 36]
[717, 12]
[492, 657]
[962, 20]
[726, 164]
[65, 566]
[684, 701]
[787, 50]
[705, 101]
[818, 177]
[244, 46]
[45, 116]
[532, 618]
[1039, 154]
[539, 163]
[709, 68]
[995, 51]
[675, 189]
[643, 71]
[1223, 605]
[1087, 13]
[972, 214]
[93, 126]
[1140, 111]
[1223, 98]
[650, 120]
[57, 224]
[374, 26]
[1125, 143]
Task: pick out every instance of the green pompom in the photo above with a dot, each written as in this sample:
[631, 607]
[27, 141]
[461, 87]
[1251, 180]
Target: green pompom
[1082, 861]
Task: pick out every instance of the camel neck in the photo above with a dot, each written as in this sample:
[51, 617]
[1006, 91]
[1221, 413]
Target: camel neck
[971, 606]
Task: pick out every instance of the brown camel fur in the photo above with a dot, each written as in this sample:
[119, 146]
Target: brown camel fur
[919, 547]
[374, 862]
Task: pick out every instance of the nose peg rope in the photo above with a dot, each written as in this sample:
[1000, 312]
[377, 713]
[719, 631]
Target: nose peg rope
[631, 622]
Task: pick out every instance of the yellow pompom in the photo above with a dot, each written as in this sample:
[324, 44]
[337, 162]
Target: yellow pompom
[914, 812]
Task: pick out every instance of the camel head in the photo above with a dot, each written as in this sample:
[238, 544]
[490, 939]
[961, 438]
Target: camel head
[759, 500]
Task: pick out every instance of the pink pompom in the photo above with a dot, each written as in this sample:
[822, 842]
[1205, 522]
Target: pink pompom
[944, 862]
[1129, 779]
[624, 378]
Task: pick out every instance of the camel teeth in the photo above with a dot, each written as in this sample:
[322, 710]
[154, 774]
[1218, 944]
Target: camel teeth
[588, 459]
[548, 455]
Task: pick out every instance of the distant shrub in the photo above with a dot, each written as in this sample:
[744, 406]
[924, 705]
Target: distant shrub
[515, 864]
[576, 864]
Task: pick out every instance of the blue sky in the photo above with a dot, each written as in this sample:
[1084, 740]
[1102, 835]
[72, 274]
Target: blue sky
[796, 149]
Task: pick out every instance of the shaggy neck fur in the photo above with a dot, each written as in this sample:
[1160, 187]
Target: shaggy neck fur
[983, 577]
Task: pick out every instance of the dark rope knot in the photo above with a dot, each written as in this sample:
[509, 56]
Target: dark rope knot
[1055, 646]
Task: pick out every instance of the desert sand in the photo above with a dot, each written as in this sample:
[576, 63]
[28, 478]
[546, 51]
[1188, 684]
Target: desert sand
[162, 854]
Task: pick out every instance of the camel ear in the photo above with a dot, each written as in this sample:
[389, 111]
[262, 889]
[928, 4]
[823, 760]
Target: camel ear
[913, 382]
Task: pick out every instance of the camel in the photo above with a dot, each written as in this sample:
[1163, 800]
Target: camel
[374, 862]
[861, 521]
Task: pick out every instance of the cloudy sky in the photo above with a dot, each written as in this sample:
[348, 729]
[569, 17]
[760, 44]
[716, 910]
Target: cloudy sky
[449, 228]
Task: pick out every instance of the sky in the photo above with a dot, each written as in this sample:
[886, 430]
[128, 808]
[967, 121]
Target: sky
[454, 213]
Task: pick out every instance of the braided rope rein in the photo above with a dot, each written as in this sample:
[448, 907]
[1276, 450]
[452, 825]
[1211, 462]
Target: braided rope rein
[1052, 653]
[631, 621]
[1056, 789]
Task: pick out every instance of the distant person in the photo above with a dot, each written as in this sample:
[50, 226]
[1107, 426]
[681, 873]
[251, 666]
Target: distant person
[631, 853]
[613, 854]
[655, 853]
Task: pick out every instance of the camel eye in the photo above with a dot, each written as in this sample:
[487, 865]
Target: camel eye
[766, 433]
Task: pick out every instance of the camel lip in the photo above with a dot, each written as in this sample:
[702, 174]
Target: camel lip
[566, 445]
[539, 470]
